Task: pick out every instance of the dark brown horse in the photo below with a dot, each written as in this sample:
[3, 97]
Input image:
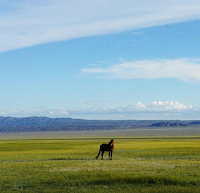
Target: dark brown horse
[106, 147]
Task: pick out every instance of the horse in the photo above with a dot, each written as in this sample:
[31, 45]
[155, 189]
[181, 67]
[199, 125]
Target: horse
[106, 147]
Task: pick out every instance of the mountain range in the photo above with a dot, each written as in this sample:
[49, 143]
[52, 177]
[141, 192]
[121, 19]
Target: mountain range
[14, 124]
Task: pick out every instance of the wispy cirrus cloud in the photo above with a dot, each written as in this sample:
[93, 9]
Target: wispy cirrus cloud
[185, 69]
[27, 23]
[136, 33]
[92, 101]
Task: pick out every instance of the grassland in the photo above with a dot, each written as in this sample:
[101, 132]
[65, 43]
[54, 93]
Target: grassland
[68, 165]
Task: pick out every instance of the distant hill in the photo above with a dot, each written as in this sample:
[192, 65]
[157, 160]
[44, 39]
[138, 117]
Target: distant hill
[13, 124]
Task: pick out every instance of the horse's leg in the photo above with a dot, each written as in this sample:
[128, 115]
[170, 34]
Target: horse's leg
[98, 154]
[102, 152]
[111, 154]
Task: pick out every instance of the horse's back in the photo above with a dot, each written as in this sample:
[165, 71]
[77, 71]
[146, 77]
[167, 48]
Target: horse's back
[105, 147]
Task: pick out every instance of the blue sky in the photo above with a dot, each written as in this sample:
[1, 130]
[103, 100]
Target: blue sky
[100, 60]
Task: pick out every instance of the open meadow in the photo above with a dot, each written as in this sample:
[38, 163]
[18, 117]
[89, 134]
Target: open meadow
[143, 164]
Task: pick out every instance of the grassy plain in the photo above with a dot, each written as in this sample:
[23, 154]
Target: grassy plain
[68, 165]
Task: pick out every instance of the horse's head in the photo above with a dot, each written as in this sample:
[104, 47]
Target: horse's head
[111, 143]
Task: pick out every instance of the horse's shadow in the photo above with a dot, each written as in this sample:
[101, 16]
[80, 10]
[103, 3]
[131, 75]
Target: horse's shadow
[103, 148]
[68, 159]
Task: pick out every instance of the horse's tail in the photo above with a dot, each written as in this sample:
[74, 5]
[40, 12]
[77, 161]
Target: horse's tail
[98, 154]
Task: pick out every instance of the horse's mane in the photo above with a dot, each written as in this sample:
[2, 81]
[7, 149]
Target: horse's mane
[111, 143]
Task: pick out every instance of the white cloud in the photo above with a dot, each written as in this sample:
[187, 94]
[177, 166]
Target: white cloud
[168, 105]
[155, 106]
[132, 108]
[184, 69]
[35, 112]
[154, 110]
[27, 23]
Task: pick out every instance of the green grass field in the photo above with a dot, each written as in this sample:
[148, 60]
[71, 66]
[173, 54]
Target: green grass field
[69, 165]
